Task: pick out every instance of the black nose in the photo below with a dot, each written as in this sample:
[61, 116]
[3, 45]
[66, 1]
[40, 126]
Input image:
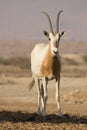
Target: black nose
[55, 52]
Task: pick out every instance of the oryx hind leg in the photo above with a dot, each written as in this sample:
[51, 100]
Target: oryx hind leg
[37, 81]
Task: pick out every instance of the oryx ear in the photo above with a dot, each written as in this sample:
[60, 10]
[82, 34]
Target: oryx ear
[62, 33]
[46, 33]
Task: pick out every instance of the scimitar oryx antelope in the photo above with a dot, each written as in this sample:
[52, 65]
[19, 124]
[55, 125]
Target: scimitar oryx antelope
[46, 65]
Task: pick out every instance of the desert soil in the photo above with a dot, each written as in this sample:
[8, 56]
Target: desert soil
[18, 105]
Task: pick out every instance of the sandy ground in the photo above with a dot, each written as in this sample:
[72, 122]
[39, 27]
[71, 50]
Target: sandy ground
[18, 105]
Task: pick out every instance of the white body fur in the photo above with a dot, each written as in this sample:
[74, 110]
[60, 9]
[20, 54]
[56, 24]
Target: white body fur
[37, 56]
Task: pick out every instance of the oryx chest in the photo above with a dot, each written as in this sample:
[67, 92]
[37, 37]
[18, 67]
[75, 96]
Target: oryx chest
[50, 66]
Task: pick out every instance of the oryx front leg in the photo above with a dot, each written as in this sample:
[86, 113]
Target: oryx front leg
[45, 96]
[42, 95]
[39, 96]
[58, 96]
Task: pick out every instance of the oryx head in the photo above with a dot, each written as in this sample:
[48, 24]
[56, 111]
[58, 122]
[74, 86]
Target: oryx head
[54, 37]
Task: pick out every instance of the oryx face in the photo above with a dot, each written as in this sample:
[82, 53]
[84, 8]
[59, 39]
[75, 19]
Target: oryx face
[53, 41]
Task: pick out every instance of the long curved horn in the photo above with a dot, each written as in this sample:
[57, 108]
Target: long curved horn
[58, 20]
[49, 21]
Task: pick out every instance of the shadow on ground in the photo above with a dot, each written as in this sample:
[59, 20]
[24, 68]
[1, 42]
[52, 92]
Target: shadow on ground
[19, 116]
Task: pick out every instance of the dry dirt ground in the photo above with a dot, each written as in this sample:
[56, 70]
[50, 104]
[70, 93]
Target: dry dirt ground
[18, 104]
